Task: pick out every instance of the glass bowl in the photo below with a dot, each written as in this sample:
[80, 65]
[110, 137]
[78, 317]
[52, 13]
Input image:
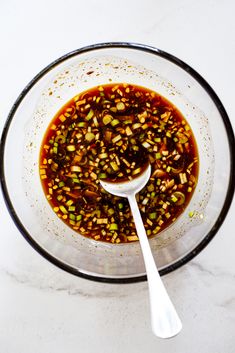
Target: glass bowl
[46, 94]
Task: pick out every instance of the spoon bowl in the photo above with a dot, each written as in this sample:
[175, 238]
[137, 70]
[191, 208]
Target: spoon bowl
[126, 188]
[165, 320]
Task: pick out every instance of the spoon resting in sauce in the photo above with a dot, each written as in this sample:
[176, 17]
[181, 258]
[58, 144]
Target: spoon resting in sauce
[165, 320]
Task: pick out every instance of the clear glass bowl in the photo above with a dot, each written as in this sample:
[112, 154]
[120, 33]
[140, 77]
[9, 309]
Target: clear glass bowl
[74, 73]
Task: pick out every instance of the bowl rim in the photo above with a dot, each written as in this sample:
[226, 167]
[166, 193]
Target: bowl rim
[231, 143]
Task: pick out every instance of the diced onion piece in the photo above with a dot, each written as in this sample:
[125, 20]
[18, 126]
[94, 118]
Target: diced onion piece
[136, 126]
[156, 230]
[71, 148]
[62, 118]
[132, 238]
[145, 144]
[114, 166]
[75, 168]
[149, 222]
[183, 178]
[136, 171]
[126, 162]
[89, 136]
[128, 131]
[145, 201]
[95, 121]
[102, 221]
[116, 138]
[103, 155]
[93, 175]
[83, 101]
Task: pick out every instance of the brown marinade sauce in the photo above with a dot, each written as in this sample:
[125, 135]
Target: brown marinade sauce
[110, 132]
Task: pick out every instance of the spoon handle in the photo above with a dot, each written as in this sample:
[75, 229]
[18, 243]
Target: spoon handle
[165, 320]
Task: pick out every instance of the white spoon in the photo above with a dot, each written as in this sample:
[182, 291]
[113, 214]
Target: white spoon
[165, 320]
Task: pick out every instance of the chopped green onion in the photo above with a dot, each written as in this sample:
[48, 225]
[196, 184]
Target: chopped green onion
[103, 155]
[128, 121]
[179, 196]
[114, 166]
[168, 169]
[76, 169]
[107, 119]
[102, 176]
[158, 155]
[60, 138]
[145, 144]
[89, 136]
[113, 227]
[71, 148]
[115, 122]
[110, 211]
[173, 198]
[89, 115]
[159, 182]
[82, 124]
[150, 187]
[136, 171]
[156, 230]
[116, 138]
[69, 202]
[120, 106]
[76, 180]
[168, 134]
[132, 238]
[153, 215]
[63, 209]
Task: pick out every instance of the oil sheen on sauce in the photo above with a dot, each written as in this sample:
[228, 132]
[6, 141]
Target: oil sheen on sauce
[109, 133]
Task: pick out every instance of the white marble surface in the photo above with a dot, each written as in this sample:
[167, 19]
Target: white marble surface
[43, 309]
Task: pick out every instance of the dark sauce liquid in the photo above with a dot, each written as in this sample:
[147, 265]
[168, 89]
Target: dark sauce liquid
[111, 133]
